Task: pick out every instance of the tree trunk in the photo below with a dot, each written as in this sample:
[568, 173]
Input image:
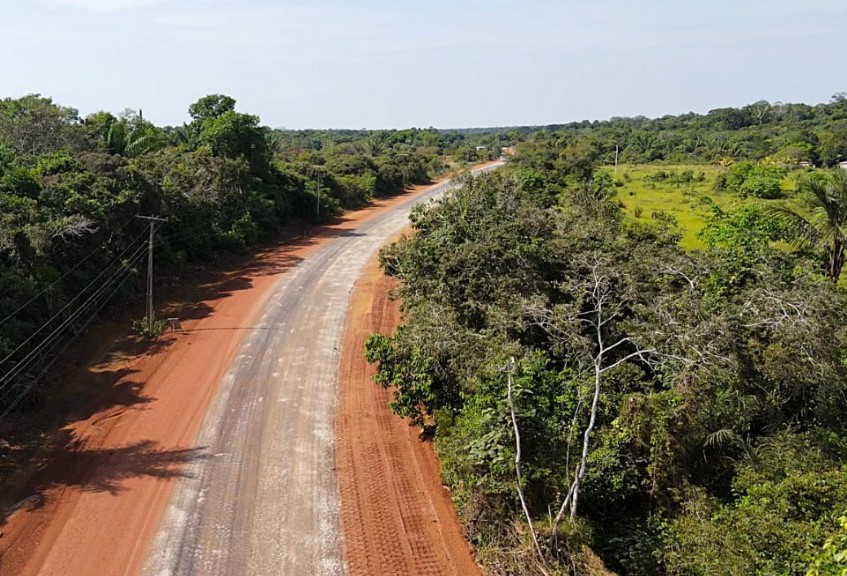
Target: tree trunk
[836, 260]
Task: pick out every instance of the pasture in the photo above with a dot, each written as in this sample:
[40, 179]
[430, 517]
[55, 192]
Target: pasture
[684, 191]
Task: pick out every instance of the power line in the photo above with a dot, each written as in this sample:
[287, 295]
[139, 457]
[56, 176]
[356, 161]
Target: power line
[67, 322]
[65, 307]
[62, 277]
[30, 358]
[26, 363]
[25, 389]
[92, 305]
[107, 282]
[131, 261]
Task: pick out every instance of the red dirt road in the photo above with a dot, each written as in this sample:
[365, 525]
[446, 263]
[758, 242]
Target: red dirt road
[95, 504]
[396, 516]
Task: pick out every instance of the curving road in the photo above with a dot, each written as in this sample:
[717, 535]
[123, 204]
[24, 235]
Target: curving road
[262, 499]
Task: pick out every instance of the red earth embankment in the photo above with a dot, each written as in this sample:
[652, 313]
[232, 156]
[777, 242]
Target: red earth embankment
[396, 516]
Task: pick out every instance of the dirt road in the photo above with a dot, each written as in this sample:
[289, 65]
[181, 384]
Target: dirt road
[263, 499]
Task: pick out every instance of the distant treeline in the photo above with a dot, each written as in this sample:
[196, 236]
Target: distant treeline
[786, 133]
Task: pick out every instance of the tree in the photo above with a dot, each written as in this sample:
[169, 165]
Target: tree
[34, 125]
[601, 307]
[235, 135]
[211, 106]
[759, 111]
[833, 146]
[824, 225]
[129, 135]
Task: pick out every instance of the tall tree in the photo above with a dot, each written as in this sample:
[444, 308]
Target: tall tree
[211, 106]
[34, 125]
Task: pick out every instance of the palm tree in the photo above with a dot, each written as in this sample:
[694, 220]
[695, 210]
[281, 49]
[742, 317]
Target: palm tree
[824, 223]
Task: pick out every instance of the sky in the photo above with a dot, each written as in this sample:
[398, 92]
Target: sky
[403, 63]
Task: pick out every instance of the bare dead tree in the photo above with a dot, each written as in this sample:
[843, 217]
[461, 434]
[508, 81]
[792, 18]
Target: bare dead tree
[573, 429]
[509, 368]
[677, 271]
[73, 227]
[771, 309]
[602, 311]
[600, 299]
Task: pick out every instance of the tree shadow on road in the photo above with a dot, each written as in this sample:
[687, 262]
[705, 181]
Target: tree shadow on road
[102, 470]
[30, 440]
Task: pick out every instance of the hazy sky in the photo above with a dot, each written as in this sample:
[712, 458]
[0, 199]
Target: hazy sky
[442, 63]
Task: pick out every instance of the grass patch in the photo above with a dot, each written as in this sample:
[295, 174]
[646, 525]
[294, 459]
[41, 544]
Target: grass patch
[682, 190]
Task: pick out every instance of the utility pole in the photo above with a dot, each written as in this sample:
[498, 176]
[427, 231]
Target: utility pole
[403, 168]
[616, 159]
[317, 175]
[153, 220]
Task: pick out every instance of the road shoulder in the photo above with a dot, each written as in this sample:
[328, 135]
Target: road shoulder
[396, 517]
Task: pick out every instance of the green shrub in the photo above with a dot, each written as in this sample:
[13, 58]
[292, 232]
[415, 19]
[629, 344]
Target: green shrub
[831, 559]
[760, 187]
[148, 330]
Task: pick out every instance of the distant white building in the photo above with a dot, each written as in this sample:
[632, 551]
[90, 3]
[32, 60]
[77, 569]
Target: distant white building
[843, 164]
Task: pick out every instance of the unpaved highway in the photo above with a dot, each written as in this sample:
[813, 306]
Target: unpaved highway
[261, 497]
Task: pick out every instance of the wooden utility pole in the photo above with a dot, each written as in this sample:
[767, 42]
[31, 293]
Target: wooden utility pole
[317, 175]
[403, 168]
[153, 220]
[318, 214]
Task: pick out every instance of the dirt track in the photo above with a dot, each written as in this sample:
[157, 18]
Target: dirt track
[109, 480]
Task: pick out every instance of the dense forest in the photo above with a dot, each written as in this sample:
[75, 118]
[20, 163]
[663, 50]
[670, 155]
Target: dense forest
[603, 399]
[71, 189]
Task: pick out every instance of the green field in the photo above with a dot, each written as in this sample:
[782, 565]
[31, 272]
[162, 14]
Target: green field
[685, 191]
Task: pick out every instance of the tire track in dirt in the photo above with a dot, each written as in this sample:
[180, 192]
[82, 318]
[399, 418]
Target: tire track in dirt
[396, 517]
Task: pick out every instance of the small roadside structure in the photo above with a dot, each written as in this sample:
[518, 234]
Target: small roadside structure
[843, 164]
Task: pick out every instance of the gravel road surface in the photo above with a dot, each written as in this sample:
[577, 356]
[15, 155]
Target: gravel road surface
[261, 496]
